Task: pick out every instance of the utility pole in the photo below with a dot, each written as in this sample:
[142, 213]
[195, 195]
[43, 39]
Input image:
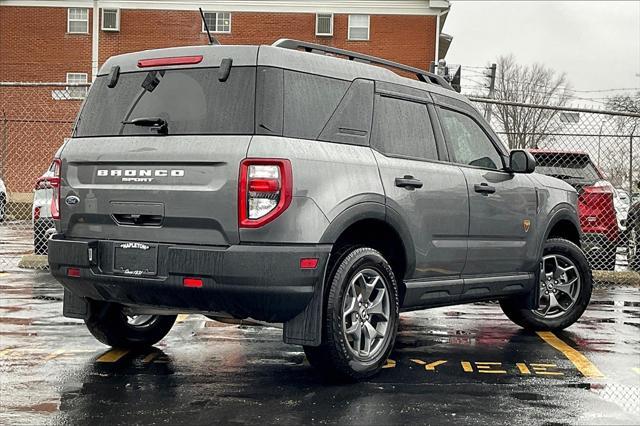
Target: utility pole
[492, 90]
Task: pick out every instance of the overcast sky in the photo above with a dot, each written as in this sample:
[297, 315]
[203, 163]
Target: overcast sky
[597, 43]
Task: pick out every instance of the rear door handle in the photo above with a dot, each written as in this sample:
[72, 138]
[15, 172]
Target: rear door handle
[484, 188]
[408, 182]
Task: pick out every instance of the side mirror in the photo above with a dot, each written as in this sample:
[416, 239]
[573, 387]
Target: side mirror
[521, 161]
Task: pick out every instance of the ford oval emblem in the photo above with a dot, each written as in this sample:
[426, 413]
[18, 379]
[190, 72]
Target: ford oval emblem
[72, 200]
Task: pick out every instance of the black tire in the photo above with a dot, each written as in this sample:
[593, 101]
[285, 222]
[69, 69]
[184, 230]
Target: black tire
[633, 247]
[529, 319]
[604, 260]
[335, 356]
[109, 325]
[39, 241]
[3, 208]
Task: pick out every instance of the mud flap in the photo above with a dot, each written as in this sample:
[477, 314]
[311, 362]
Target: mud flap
[74, 306]
[306, 327]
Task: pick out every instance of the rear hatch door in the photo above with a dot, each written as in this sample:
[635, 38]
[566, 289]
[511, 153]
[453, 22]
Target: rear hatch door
[156, 156]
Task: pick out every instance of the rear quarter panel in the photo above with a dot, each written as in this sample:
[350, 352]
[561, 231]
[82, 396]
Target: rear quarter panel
[328, 178]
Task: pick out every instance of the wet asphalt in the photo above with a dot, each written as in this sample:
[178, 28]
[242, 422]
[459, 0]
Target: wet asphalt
[464, 364]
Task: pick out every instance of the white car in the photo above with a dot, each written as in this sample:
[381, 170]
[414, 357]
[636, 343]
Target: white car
[43, 226]
[3, 200]
[621, 203]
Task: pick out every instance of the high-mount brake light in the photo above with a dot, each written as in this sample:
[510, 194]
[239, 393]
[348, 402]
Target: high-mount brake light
[175, 60]
[54, 181]
[265, 189]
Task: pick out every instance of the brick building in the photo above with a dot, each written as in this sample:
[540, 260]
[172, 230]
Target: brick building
[60, 41]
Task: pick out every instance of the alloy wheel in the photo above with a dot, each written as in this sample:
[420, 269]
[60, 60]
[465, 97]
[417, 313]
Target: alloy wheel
[365, 313]
[559, 286]
[141, 321]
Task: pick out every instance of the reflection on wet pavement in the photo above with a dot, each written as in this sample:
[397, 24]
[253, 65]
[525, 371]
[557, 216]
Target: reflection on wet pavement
[462, 364]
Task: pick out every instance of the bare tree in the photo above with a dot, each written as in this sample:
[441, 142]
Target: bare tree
[533, 84]
[625, 103]
[628, 127]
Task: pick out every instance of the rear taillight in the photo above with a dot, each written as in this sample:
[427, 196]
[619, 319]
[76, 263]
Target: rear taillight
[54, 181]
[597, 210]
[42, 183]
[265, 190]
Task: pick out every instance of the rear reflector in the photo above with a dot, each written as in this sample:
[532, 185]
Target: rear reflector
[73, 272]
[308, 263]
[176, 60]
[192, 282]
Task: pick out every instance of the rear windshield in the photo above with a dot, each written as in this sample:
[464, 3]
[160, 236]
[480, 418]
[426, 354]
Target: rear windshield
[190, 101]
[566, 166]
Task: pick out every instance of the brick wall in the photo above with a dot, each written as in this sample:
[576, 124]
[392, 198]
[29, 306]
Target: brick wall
[35, 47]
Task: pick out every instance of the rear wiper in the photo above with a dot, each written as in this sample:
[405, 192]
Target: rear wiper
[158, 124]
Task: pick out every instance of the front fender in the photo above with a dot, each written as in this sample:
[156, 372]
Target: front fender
[563, 211]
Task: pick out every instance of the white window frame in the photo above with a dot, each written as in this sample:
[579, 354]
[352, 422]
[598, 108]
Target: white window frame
[117, 28]
[349, 27]
[70, 89]
[330, 33]
[215, 30]
[69, 20]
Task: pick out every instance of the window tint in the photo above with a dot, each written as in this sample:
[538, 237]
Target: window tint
[192, 101]
[469, 142]
[403, 128]
[309, 101]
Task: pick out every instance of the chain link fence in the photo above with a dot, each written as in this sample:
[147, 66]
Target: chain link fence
[35, 118]
[594, 151]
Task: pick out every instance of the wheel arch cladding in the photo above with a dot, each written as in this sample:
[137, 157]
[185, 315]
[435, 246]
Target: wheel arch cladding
[563, 223]
[368, 220]
[368, 224]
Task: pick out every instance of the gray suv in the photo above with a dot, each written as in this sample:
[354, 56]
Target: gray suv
[301, 184]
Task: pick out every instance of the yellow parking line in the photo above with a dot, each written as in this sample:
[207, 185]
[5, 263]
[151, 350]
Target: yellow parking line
[112, 355]
[389, 364]
[636, 369]
[182, 318]
[147, 359]
[54, 354]
[580, 361]
[5, 352]
[466, 366]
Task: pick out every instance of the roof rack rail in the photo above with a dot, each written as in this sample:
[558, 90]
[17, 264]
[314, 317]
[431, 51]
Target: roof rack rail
[422, 75]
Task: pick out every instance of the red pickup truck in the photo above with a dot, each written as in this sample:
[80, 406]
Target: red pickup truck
[595, 202]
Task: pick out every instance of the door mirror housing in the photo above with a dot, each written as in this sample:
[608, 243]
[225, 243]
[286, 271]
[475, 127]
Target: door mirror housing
[521, 161]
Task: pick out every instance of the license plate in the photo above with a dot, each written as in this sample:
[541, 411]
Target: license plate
[136, 259]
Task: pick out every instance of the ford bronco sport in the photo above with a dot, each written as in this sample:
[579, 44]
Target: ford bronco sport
[287, 186]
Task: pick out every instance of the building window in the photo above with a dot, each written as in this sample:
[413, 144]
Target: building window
[358, 27]
[77, 20]
[110, 19]
[218, 22]
[75, 92]
[324, 24]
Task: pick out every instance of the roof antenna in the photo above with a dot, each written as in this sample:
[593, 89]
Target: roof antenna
[212, 39]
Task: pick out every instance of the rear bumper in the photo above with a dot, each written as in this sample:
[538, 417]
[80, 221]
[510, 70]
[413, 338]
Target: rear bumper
[258, 281]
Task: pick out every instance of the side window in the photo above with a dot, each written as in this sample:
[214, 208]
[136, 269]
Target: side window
[470, 144]
[309, 102]
[402, 127]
